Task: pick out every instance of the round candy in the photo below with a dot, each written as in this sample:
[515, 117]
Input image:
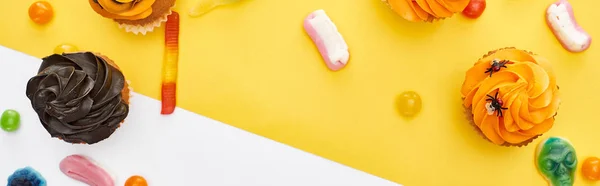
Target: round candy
[409, 103]
[474, 9]
[591, 168]
[136, 181]
[65, 48]
[41, 12]
[10, 120]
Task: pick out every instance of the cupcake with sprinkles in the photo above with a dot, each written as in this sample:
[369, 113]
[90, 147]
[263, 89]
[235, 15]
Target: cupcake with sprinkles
[135, 16]
[80, 97]
[511, 96]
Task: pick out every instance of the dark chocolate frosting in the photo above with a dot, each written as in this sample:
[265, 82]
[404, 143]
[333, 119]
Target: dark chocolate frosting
[77, 97]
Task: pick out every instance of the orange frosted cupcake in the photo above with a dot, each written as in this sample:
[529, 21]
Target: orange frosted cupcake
[136, 16]
[426, 10]
[511, 96]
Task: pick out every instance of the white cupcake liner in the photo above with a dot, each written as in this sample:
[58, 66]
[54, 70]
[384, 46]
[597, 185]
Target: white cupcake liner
[143, 29]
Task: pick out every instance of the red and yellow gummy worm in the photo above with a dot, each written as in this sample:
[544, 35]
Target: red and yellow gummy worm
[171, 57]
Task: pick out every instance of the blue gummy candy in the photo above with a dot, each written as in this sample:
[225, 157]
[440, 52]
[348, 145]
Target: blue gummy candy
[26, 177]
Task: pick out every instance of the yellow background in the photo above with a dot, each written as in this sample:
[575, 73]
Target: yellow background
[252, 66]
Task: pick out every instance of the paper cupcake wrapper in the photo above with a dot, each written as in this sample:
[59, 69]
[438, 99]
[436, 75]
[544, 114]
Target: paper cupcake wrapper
[129, 101]
[494, 51]
[130, 88]
[434, 19]
[145, 28]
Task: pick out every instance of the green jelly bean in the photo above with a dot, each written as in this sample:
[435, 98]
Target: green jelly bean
[10, 120]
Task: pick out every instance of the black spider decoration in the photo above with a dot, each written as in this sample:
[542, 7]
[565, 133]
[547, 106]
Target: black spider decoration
[496, 104]
[496, 65]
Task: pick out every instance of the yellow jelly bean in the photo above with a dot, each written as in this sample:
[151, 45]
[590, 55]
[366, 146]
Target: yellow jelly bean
[409, 103]
[65, 48]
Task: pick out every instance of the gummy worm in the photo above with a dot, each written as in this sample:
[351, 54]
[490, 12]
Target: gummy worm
[171, 57]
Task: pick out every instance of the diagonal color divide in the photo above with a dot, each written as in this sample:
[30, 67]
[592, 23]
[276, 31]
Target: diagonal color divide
[180, 149]
[251, 65]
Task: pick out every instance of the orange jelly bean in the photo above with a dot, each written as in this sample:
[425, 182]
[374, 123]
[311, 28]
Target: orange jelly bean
[136, 181]
[591, 168]
[41, 12]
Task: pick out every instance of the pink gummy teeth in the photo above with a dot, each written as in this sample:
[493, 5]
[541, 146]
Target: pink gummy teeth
[80, 168]
[329, 41]
[561, 20]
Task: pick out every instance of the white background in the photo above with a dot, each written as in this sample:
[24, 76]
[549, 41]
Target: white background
[182, 149]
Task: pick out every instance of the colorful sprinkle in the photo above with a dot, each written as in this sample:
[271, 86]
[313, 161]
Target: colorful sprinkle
[169, 76]
[10, 120]
[26, 177]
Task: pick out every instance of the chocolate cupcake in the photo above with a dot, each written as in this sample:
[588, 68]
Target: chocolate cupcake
[79, 97]
[511, 96]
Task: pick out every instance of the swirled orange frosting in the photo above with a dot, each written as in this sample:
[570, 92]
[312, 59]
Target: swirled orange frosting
[527, 89]
[123, 9]
[427, 10]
